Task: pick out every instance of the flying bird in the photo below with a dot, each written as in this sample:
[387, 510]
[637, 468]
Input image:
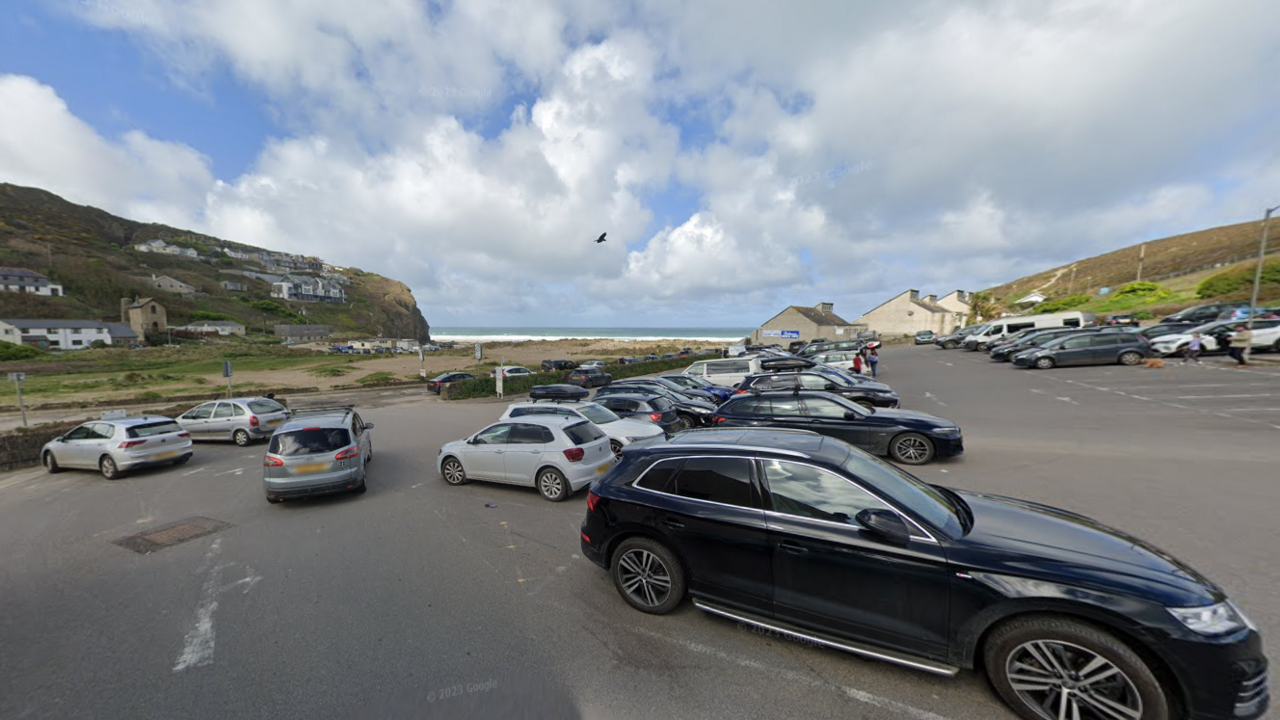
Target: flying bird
[601, 238]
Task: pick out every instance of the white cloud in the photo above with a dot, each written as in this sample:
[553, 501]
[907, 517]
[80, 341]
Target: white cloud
[473, 151]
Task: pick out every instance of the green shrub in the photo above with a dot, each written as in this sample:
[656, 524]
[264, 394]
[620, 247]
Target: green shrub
[377, 377]
[487, 387]
[1062, 303]
[1143, 289]
[10, 351]
[1233, 281]
[200, 315]
[334, 372]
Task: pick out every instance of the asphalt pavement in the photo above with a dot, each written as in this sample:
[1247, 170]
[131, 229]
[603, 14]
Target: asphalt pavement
[427, 601]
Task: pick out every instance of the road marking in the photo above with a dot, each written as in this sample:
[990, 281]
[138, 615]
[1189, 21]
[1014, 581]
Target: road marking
[946, 363]
[250, 455]
[931, 396]
[200, 469]
[854, 693]
[1223, 397]
[197, 649]
[417, 486]
[237, 471]
[1274, 409]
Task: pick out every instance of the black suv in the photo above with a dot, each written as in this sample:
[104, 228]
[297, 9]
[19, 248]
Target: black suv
[913, 438]
[866, 393]
[809, 537]
[552, 365]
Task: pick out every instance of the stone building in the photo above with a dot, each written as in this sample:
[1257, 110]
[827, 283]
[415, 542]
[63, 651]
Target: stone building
[805, 324]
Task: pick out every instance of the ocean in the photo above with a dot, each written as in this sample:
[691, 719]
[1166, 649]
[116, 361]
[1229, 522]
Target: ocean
[509, 334]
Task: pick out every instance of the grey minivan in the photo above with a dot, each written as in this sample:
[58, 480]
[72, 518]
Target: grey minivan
[316, 452]
[1086, 348]
[242, 420]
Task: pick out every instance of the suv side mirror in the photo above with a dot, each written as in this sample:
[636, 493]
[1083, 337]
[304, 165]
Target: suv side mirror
[851, 415]
[832, 387]
[885, 523]
[368, 426]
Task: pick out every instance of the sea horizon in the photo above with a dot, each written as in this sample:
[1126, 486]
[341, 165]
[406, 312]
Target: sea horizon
[516, 334]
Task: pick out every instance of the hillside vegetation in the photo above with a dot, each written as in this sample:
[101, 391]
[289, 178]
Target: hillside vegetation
[1209, 265]
[88, 251]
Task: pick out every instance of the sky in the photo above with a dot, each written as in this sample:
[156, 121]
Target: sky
[742, 156]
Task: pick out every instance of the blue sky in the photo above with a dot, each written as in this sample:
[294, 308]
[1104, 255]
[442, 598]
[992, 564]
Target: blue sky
[473, 150]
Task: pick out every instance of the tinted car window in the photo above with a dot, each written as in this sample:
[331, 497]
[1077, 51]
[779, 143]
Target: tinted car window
[809, 492]
[784, 406]
[309, 442]
[813, 382]
[223, 411]
[658, 477]
[152, 429]
[529, 434]
[750, 406]
[824, 408]
[903, 488]
[722, 480]
[775, 382]
[729, 366]
[618, 404]
[264, 406]
[541, 410]
[661, 404]
[583, 433]
[1074, 343]
[495, 435]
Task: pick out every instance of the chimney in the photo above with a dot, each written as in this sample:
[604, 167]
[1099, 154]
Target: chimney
[825, 307]
[931, 299]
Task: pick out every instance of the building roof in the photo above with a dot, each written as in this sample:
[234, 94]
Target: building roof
[141, 302]
[22, 272]
[120, 330]
[932, 307]
[819, 317]
[25, 324]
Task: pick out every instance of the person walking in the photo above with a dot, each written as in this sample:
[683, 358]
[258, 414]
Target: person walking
[1240, 341]
[873, 359]
[1194, 348]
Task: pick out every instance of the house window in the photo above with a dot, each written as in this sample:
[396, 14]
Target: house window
[55, 343]
[77, 342]
[153, 309]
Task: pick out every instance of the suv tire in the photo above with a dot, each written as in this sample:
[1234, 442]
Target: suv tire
[643, 569]
[1034, 644]
[911, 448]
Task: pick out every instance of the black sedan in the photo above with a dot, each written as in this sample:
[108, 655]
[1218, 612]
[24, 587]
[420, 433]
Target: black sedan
[589, 377]
[912, 438]
[675, 387]
[857, 388]
[436, 383]
[811, 538]
[692, 413]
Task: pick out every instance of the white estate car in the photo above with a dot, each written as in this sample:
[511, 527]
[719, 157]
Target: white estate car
[621, 431]
[1263, 336]
[511, 371]
[556, 454]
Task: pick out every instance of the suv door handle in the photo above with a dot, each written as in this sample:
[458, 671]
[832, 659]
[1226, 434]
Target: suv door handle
[793, 548]
[673, 524]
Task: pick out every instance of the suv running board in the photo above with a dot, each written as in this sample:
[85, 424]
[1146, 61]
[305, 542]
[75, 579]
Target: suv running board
[848, 646]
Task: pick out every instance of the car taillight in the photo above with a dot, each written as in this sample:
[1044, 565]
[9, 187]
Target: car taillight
[592, 499]
[717, 419]
[348, 454]
[575, 454]
[656, 417]
[253, 421]
[131, 443]
[738, 392]
[184, 434]
[269, 461]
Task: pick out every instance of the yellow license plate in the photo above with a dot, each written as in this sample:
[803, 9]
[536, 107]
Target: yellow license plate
[165, 455]
[271, 423]
[310, 468]
[603, 468]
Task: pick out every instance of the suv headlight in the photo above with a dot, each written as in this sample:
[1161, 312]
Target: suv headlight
[1217, 619]
[947, 431]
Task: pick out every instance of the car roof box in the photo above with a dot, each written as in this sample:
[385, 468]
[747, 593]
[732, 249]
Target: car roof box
[785, 363]
[558, 392]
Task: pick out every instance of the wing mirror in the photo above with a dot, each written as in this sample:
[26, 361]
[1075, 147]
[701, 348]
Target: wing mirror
[851, 415]
[887, 524]
[832, 387]
[368, 426]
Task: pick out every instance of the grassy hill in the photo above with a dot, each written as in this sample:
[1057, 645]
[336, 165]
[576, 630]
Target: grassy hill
[88, 251]
[1179, 265]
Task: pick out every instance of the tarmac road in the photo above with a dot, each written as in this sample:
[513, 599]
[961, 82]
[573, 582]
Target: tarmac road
[420, 600]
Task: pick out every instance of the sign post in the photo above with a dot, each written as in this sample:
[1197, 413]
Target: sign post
[226, 373]
[422, 360]
[479, 355]
[499, 373]
[16, 378]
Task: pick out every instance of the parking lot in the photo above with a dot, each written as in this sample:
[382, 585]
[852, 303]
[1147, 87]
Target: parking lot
[419, 599]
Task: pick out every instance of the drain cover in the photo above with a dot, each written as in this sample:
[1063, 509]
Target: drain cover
[172, 534]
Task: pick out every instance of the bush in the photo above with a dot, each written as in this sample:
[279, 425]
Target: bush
[487, 386]
[98, 344]
[1063, 303]
[1142, 289]
[200, 315]
[10, 351]
[1233, 281]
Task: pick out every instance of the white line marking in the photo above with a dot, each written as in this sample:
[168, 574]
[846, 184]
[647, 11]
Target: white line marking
[931, 396]
[859, 695]
[1137, 397]
[250, 455]
[197, 649]
[200, 469]
[1275, 409]
[946, 363]
[417, 486]
[237, 471]
[1223, 397]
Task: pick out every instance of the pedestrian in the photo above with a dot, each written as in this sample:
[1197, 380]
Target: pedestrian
[857, 363]
[873, 358]
[1194, 348]
[1240, 341]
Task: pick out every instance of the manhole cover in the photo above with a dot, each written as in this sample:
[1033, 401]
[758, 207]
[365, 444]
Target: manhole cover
[172, 534]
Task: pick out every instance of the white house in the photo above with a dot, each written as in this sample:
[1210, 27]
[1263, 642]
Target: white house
[907, 313]
[305, 288]
[235, 254]
[222, 327]
[156, 245]
[164, 282]
[57, 334]
[1034, 298]
[21, 280]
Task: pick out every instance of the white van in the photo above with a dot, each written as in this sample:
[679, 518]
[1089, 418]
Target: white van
[728, 372]
[995, 330]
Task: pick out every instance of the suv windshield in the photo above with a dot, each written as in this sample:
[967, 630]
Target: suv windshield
[907, 491]
[597, 414]
[309, 442]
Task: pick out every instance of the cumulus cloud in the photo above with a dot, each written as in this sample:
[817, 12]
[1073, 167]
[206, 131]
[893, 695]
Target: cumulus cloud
[840, 151]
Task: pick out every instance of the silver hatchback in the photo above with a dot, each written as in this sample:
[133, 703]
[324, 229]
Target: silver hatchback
[114, 447]
[317, 452]
[241, 420]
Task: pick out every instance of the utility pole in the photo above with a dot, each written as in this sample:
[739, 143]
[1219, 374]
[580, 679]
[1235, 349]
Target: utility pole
[1142, 257]
[1257, 274]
